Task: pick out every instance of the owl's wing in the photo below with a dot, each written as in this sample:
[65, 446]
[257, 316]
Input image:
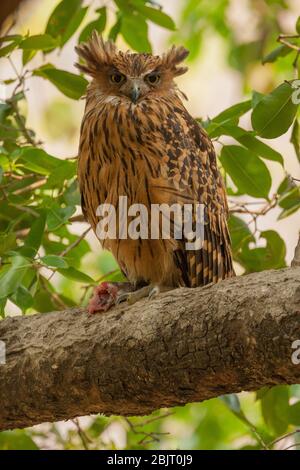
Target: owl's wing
[193, 176]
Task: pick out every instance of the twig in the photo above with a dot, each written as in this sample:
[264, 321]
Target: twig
[292, 445]
[153, 436]
[74, 244]
[258, 437]
[31, 187]
[156, 418]
[240, 208]
[84, 438]
[77, 218]
[60, 303]
[284, 437]
[282, 38]
[70, 247]
[25, 209]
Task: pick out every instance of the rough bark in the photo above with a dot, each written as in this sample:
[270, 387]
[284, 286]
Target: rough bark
[186, 346]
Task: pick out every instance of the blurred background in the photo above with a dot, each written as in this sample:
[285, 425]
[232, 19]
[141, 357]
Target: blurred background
[227, 40]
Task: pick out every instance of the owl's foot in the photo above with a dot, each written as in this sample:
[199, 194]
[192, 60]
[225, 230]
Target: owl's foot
[106, 295]
[150, 291]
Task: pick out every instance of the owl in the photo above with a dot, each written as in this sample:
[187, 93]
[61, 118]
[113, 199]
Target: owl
[139, 141]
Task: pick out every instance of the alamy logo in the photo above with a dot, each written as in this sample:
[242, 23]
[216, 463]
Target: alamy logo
[162, 221]
[296, 93]
[296, 354]
[2, 352]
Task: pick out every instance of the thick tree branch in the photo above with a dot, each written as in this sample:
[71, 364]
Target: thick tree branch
[188, 345]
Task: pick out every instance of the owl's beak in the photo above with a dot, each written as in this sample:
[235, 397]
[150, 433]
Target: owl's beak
[135, 92]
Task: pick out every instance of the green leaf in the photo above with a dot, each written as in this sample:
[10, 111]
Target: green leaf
[6, 50]
[247, 171]
[256, 98]
[64, 171]
[134, 30]
[42, 300]
[3, 303]
[156, 16]
[74, 254]
[17, 440]
[7, 242]
[38, 160]
[274, 114]
[35, 236]
[295, 138]
[39, 42]
[123, 5]
[228, 117]
[62, 18]
[281, 51]
[116, 28]
[232, 401]
[239, 232]
[22, 298]
[233, 404]
[247, 139]
[71, 85]
[272, 256]
[4, 111]
[290, 202]
[286, 185]
[58, 216]
[97, 25]
[244, 54]
[259, 394]
[11, 275]
[73, 25]
[294, 414]
[11, 37]
[235, 111]
[275, 409]
[72, 195]
[54, 261]
[28, 55]
[75, 275]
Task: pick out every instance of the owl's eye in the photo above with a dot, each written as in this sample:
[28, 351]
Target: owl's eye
[153, 78]
[117, 78]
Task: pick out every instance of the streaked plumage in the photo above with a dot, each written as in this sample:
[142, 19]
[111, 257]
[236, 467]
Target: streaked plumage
[151, 151]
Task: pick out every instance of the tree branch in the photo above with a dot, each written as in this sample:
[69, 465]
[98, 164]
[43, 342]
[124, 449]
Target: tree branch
[188, 345]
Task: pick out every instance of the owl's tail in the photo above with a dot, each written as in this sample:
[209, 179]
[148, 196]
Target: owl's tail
[213, 262]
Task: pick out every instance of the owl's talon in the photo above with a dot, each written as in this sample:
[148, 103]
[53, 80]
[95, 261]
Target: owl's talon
[121, 298]
[133, 297]
[154, 293]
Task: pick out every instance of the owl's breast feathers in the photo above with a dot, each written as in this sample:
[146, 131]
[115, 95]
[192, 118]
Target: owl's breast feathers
[153, 153]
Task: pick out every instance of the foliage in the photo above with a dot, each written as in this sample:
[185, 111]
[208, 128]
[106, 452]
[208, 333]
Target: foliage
[41, 260]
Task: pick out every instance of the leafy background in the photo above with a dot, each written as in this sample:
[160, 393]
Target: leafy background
[243, 67]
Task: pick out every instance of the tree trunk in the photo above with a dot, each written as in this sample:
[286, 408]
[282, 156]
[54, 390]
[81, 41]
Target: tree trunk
[188, 345]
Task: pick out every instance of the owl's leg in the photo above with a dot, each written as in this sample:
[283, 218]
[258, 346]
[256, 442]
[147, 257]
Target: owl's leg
[106, 295]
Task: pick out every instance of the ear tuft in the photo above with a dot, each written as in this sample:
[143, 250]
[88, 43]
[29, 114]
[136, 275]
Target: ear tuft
[96, 53]
[173, 57]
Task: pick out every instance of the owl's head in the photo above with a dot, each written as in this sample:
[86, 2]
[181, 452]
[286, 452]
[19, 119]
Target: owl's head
[128, 75]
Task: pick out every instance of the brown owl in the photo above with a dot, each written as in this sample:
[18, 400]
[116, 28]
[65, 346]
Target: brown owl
[139, 141]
